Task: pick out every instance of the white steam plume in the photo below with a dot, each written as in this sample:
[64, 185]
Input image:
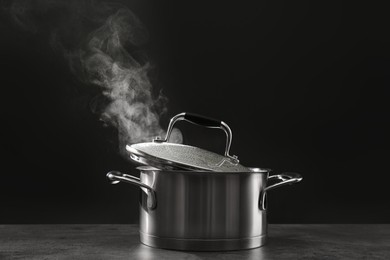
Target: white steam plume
[104, 60]
[123, 79]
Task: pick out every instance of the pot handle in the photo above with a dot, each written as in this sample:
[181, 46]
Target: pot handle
[285, 178]
[202, 121]
[115, 177]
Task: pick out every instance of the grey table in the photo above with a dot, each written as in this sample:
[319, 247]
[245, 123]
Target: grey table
[121, 242]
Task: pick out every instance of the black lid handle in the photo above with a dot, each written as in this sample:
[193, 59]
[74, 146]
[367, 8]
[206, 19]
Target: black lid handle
[202, 120]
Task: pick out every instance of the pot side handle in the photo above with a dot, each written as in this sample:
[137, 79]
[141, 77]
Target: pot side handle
[115, 177]
[285, 178]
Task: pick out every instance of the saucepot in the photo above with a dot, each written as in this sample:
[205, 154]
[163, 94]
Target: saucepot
[203, 210]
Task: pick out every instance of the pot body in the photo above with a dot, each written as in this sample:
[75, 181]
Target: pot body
[203, 210]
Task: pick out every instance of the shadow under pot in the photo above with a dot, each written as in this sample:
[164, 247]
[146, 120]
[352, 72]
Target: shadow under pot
[203, 210]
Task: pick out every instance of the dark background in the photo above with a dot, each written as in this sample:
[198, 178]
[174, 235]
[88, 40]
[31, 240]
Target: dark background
[304, 86]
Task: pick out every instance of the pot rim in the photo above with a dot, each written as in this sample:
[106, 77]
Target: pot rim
[252, 170]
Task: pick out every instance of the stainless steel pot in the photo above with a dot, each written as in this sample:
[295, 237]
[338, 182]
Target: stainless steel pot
[203, 211]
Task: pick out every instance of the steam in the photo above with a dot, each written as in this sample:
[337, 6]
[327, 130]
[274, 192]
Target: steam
[106, 56]
[123, 80]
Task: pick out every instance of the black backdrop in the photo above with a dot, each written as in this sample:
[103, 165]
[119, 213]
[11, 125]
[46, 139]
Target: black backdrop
[304, 86]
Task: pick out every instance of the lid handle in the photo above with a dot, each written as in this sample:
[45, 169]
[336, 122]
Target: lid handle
[206, 122]
[202, 120]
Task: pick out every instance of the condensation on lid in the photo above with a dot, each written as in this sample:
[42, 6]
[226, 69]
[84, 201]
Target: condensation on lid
[185, 156]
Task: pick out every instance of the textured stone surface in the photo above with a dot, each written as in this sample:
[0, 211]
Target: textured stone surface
[121, 242]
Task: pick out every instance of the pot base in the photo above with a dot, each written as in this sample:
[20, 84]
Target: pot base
[202, 244]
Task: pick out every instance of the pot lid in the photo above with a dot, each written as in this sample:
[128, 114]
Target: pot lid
[169, 156]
